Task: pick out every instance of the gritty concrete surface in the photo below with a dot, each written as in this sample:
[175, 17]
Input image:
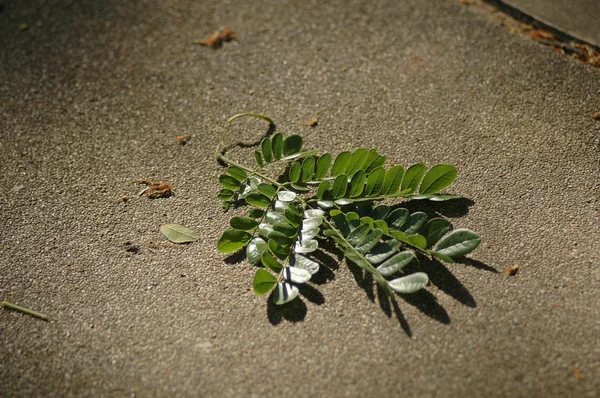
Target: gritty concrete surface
[92, 95]
[578, 18]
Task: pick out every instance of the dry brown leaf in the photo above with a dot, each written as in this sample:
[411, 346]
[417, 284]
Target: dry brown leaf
[512, 271]
[156, 189]
[214, 41]
[312, 122]
[577, 372]
[183, 139]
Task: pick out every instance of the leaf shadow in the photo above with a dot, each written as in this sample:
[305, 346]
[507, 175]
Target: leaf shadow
[477, 264]
[441, 277]
[426, 302]
[363, 279]
[387, 303]
[236, 258]
[311, 294]
[327, 264]
[294, 311]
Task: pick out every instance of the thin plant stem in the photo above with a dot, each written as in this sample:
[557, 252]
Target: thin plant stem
[14, 307]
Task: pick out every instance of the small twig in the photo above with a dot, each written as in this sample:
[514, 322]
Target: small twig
[14, 307]
[268, 119]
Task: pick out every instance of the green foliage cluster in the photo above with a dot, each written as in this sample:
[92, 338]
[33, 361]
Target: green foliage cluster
[320, 197]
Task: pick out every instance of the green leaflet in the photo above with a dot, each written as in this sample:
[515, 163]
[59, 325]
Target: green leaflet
[263, 282]
[284, 293]
[268, 190]
[178, 233]
[380, 212]
[438, 178]
[323, 165]
[308, 169]
[397, 218]
[267, 151]
[392, 181]
[412, 177]
[225, 194]
[237, 173]
[277, 145]
[258, 200]
[292, 144]
[356, 161]
[255, 250]
[369, 241]
[435, 229]
[410, 284]
[323, 188]
[295, 171]
[228, 182]
[375, 182]
[270, 262]
[233, 240]
[414, 223]
[243, 223]
[457, 243]
[258, 157]
[341, 163]
[396, 263]
[340, 185]
[357, 184]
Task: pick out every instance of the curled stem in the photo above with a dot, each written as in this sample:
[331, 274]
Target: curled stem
[250, 114]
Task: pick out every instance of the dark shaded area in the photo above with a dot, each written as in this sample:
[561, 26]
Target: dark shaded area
[294, 311]
[387, 303]
[477, 264]
[363, 279]
[428, 305]
[441, 277]
[327, 265]
[236, 258]
[311, 294]
[528, 19]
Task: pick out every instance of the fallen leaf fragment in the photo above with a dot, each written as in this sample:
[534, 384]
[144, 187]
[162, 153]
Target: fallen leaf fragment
[217, 38]
[156, 189]
[183, 139]
[577, 372]
[596, 116]
[512, 271]
[312, 122]
[228, 35]
[177, 233]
